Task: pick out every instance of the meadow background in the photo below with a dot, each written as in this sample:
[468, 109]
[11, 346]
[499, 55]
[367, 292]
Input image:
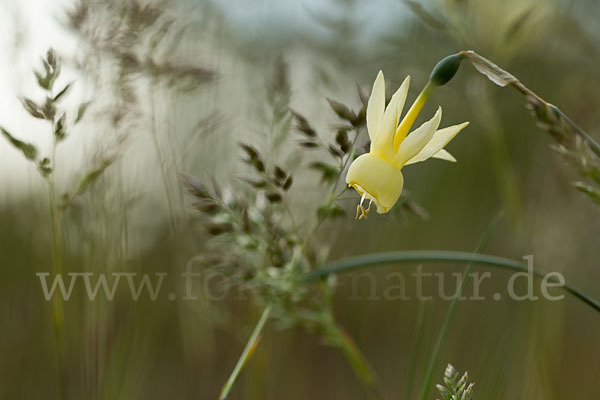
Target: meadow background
[174, 86]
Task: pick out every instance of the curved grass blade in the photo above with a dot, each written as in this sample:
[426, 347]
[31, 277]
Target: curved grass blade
[438, 256]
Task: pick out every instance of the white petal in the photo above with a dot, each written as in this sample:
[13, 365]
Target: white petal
[417, 140]
[385, 136]
[440, 139]
[403, 90]
[376, 106]
[444, 155]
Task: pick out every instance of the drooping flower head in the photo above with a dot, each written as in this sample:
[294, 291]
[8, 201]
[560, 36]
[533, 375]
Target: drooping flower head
[377, 175]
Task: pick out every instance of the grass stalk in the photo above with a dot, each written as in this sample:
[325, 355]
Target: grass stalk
[359, 363]
[504, 78]
[57, 268]
[362, 368]
[453, 307]
[247, 353]
[439, 256]
[414, 349]
[57, 303]
[161, 159]
[332, 197]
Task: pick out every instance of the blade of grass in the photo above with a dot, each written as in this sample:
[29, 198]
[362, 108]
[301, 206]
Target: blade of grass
[438, 256]
[454, 306]
[246, 354]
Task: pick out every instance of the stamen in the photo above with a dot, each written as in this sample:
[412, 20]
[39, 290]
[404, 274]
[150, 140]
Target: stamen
[363, 213]
[360, 209]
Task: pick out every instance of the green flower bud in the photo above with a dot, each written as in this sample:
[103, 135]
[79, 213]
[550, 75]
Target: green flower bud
[445, 69]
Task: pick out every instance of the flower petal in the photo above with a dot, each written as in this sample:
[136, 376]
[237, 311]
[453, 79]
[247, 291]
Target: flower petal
[376, 106]
[417, 140]
[385, 136]
[444, 155]
[440, 139]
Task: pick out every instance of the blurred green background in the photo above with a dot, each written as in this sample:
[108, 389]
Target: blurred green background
[158, 120]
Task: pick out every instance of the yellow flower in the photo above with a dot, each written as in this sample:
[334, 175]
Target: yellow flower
[377, 175]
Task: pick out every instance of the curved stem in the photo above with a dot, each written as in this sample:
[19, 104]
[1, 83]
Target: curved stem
[354, 263]
[503, 78]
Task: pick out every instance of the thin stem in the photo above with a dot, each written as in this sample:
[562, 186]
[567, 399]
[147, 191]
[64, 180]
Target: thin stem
[331, 196]
[453, 307]
[593, 144]
[434, 256]
[359, 363]
[413, 354]
[161, 160]
[57, 304]
[372, 260]
[355, 357]
[503, 78]
[246, 354]
[345, 164]
[338, 338]
[289, 211]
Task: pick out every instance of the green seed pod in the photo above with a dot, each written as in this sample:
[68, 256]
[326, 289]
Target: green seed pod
[445, 69]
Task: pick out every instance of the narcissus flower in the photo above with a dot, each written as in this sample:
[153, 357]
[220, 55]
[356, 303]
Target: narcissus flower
[377, 175]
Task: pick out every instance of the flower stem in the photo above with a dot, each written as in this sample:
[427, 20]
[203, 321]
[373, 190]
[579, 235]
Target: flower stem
[246, 354]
